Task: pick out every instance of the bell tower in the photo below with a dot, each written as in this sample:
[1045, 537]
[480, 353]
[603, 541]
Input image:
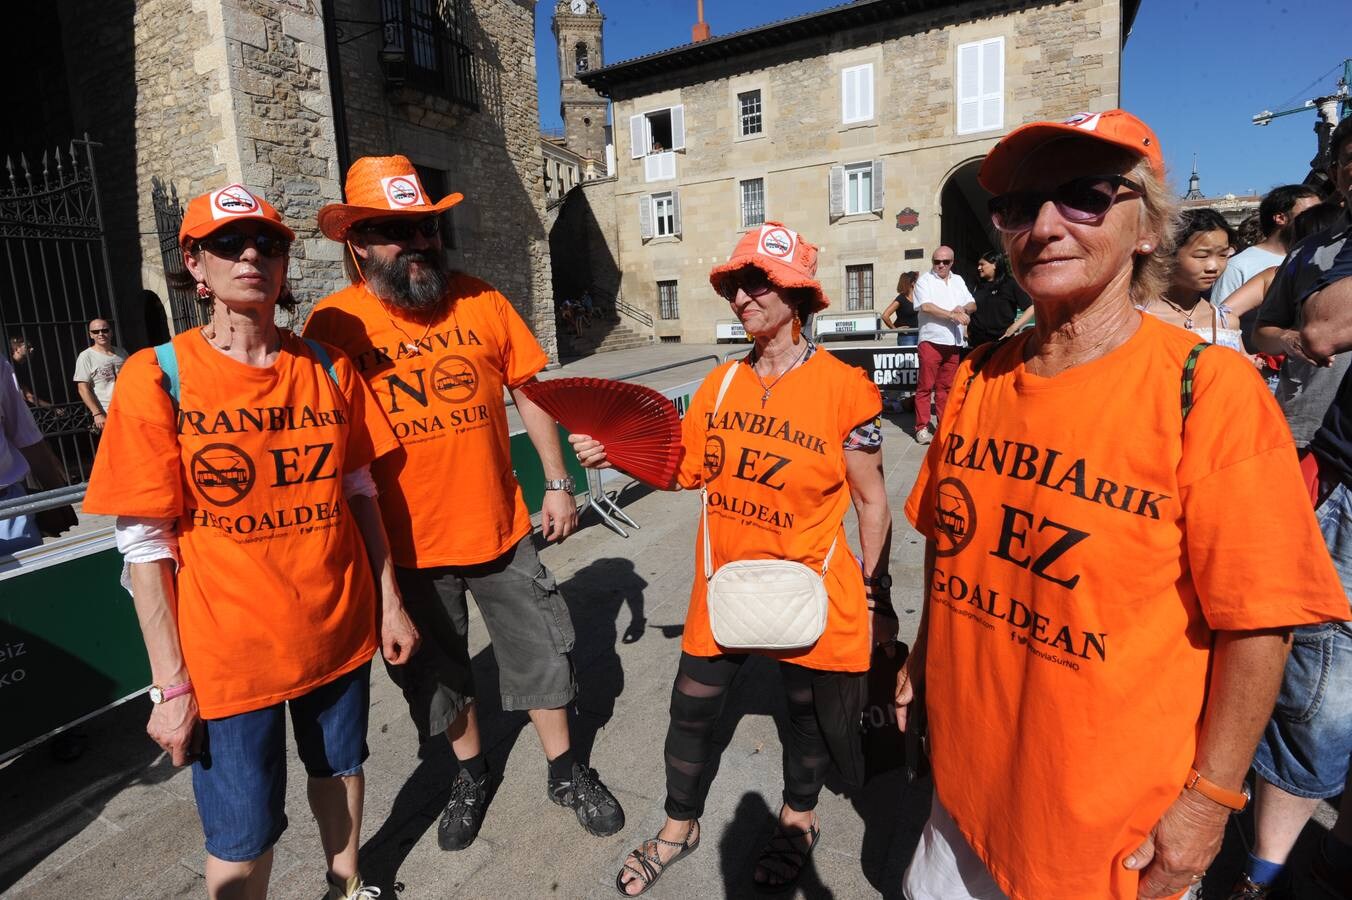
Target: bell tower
[577, 32]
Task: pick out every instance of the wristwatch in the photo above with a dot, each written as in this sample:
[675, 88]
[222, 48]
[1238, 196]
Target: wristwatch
[1232, 800]
[560, 484]
[160, 694]
[879, 581]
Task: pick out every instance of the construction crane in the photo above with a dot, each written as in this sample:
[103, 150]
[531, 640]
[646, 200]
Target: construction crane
[1330, 109]
[1335, 106]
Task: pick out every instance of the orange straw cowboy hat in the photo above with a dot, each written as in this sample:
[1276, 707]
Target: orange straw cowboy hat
[787, 260]
[380, 187]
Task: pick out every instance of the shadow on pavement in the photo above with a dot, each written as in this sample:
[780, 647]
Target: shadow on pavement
[596, 595]
[750, 829]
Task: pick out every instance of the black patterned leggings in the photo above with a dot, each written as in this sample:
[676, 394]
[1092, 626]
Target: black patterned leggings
[697, 700]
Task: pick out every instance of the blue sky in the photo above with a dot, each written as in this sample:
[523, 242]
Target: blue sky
[1196, 70]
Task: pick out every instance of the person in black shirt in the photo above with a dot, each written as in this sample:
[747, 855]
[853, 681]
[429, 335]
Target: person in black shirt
[999, 299]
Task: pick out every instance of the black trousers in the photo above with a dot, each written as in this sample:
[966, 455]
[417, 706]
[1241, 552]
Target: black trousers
[697, 700]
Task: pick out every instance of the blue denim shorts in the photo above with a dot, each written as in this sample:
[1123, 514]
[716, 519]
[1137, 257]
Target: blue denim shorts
[240, 779]
[1306, 749]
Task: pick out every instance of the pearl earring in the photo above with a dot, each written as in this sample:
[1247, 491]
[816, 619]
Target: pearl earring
[1146, 248]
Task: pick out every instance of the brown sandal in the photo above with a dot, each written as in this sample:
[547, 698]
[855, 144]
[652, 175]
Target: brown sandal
[650, 866]
[782, 859]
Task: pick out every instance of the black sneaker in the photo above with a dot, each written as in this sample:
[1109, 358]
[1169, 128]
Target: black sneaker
[596, 807]
[464, 812]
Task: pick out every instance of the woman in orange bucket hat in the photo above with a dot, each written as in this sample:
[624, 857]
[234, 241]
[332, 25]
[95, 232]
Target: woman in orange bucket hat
[781, 443]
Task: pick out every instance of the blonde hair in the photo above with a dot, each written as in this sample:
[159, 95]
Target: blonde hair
[1159, 214]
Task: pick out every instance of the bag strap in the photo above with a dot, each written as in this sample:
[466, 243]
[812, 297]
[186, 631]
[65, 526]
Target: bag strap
[322, 353]
[167, 357]
[1185, 388]
[704, 492]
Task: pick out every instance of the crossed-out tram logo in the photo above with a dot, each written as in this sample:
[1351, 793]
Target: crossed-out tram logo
[954, 517]
[233, 200]
[223, 473]
[713, 456]
[454, 379]
[402, 191]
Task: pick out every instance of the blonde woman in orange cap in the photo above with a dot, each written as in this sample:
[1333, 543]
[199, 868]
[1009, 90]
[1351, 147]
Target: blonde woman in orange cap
[1103, 632]
[438, 348]
[779, 444]
[236, 461]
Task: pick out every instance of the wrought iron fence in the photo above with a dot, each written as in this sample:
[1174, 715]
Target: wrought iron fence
[184, 307]
[54, 278]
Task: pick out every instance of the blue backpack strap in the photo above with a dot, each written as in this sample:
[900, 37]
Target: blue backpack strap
[168, 360]
[319, 351]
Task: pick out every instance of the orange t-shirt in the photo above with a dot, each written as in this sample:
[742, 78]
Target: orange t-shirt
[450, 498]
[1088, 543]
[775, 473]
[275, 595]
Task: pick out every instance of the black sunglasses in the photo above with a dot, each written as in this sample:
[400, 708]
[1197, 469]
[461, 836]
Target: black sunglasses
[1079, 200]
[402, 229]
[230, 244]
[100, 330]
[750, 280]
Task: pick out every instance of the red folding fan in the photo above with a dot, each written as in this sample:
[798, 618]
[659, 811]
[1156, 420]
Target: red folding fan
[640, 427]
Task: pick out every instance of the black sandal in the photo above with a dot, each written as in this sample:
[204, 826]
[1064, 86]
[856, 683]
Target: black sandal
[650, 866]
[782, 859]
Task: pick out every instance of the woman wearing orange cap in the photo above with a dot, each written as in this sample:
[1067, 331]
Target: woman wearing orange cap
[1103, 631]
[779, 444]
[235, 460]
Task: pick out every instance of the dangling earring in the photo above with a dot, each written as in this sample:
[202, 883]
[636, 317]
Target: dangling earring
[204, 293]
[797, 328]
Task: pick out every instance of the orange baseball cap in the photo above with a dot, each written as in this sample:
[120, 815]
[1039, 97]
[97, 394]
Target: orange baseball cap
[380, 187]
[787, 260]
[216, 209]
[1115, 127]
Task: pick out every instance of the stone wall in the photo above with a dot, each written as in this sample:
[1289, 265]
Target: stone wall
[582, 239]
[270, 98]
[491, 155]
[1060, 58]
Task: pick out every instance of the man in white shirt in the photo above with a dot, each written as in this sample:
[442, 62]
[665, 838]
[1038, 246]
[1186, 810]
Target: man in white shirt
[944, 305]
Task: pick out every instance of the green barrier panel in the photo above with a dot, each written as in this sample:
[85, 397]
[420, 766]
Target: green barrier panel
[526, 465]
[70, 646]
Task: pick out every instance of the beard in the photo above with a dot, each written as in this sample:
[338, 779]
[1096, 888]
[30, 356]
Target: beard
[394, 281]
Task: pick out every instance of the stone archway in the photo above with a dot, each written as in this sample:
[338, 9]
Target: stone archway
[964, 223]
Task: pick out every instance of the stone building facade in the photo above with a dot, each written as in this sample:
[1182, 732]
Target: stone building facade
[280, 95]
[861, 126]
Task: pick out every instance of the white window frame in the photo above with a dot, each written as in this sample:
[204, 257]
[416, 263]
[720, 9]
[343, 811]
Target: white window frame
[985, 108]
[854, 174]
[641, 130]
[859, 106]
[664, 220]
[659, 166]
[741, 201]
[759, 113]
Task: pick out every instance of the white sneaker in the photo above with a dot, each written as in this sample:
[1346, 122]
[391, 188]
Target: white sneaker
[924, 436]
[352, 889]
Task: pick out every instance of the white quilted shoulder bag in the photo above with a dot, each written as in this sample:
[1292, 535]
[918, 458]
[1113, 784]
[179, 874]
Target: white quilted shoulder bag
[762, 604]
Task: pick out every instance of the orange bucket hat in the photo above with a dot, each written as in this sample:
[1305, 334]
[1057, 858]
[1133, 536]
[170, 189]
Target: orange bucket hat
[380, 187]
[216, 209]
[787, 260]
[1115, 127]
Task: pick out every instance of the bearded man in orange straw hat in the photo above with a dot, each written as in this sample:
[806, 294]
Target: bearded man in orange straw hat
[437, 348]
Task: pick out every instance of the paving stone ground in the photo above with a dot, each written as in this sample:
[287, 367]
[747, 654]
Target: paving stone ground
[119, 821]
